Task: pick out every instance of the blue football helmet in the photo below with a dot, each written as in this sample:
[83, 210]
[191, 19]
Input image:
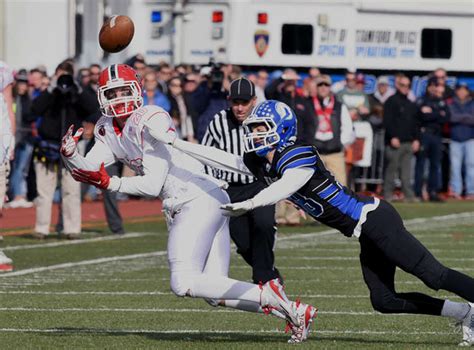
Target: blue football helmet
[280, 124]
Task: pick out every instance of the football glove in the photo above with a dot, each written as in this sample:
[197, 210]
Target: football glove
[162, 128]
[99, 179]
[237, 209]
[69, 142]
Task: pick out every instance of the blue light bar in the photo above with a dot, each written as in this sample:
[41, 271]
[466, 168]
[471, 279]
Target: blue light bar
[156, 16]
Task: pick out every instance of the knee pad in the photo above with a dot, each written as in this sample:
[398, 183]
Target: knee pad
[181, 283]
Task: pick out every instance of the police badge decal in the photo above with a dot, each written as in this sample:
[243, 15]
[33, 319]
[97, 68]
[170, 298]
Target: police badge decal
[261, 39]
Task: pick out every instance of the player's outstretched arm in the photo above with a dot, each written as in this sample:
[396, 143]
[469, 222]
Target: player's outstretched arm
[162, 130]
[99, 153]
[290, 182]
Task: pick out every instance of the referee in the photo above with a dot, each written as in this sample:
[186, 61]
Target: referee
[253, 233]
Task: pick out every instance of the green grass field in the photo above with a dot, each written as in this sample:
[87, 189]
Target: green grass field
[105, 292]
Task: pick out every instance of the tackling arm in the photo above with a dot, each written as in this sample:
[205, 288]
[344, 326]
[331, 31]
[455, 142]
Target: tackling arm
[290, 182]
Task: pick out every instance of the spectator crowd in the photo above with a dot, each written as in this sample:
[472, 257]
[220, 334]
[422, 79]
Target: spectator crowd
[388, 142]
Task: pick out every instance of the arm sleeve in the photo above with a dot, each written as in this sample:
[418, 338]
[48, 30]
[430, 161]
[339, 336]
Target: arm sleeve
[99, 153]
[213, 157]
[347, 129]
[291, 181]
[156, 160]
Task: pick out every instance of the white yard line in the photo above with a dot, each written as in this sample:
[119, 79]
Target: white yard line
[79, 241]
[292, 237]
[347, 258]
[153, 293]
[409, 222]
[82, 263]
[181, 310]
[84, 293]
[164, 266]
[205, 332]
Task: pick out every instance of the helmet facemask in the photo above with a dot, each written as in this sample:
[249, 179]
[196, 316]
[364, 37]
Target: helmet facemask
[260, 142]
[114, 106]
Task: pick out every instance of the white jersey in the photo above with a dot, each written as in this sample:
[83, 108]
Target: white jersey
[161, 170]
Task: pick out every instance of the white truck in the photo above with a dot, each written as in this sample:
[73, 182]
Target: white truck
[375, 35]
[369, 35]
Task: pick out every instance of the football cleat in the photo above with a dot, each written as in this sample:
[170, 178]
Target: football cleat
[6, 264]
[6, 267]
[273, 297]
[468, 328]
[306, 314]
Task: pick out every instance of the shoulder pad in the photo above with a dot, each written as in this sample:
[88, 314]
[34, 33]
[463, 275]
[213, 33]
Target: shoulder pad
[145, 113]
[295, 156]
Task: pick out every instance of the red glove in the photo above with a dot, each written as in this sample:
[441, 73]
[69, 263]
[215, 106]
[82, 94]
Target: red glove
[69, 142]
[99, 179]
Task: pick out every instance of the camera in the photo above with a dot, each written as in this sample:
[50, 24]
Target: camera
[216, 76]
[65, 85]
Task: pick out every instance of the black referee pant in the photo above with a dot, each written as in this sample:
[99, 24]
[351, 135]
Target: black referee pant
[386, 244]
[254, 233]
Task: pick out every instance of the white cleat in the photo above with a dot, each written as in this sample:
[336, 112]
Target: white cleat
[468, 328]
[306, 314]
[6, 264]
[273, 296]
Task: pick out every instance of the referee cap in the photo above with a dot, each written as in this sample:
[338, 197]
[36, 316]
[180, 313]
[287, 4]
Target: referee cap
[241, 89]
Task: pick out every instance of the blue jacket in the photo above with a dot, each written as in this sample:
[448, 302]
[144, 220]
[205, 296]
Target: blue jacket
[159, 99]
[462, 120]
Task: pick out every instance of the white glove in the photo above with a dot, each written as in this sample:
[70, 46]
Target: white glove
[69, 142]
[237, 209]
[162, 128]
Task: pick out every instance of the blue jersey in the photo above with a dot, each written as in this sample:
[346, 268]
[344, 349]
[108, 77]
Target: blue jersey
[322, 197]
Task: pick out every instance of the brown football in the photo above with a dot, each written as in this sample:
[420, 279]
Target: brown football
[116, 33]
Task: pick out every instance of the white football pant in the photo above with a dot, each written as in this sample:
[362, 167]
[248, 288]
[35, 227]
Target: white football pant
[199, 252]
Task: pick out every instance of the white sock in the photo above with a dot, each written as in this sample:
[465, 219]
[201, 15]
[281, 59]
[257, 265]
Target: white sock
[243, 305]
[455, 310]
[250, 307]
[221, 287]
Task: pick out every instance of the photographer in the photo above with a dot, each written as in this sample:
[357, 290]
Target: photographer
[211, 95]
[61, 105]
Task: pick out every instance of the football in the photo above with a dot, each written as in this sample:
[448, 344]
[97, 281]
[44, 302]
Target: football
[116, 33]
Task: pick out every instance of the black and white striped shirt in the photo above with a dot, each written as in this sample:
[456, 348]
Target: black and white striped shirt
[226, 133]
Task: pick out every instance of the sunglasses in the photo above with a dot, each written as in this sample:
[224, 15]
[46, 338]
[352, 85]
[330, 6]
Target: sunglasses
[323, 84]
[404, 85]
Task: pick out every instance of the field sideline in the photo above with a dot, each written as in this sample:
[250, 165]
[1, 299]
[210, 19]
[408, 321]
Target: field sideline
[107, 292]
